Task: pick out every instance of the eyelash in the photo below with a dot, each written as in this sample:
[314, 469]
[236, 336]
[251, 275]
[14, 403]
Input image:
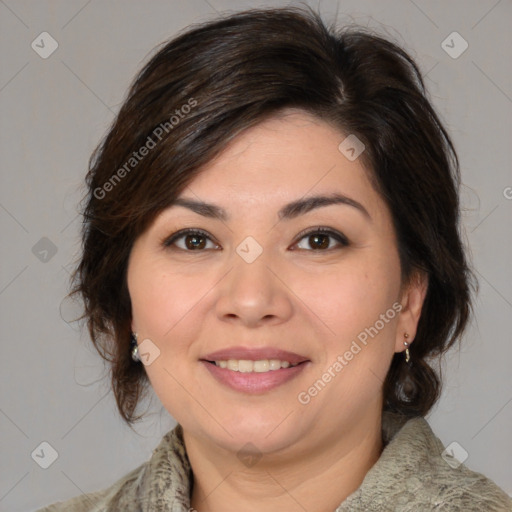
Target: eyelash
[340, 238]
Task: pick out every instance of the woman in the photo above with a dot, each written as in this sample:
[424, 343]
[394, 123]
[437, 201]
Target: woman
[272, 242]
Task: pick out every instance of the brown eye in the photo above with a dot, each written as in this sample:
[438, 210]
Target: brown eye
[195, 242]
[189, 240]
[320, 239]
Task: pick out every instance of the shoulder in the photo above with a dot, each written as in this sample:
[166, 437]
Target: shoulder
[414, 472]
[476, 493]
[441, 487]
[438, 479]
[166, 474]
[122, 493]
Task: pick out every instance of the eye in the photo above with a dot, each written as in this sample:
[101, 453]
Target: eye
[190, 240]
[319, 239]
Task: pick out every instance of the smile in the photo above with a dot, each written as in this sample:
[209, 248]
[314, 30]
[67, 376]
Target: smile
[248, 379]
[248, 366]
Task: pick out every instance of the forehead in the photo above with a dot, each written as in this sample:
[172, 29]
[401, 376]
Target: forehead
[280, 160]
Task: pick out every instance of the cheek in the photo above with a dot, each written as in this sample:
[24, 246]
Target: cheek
[357, 304]
[163, 308]
[351, 297]
[162, 300]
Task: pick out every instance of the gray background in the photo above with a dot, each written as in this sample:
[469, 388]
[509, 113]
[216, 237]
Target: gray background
[54, 387]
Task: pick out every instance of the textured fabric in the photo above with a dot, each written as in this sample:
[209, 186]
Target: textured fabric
[410, 475]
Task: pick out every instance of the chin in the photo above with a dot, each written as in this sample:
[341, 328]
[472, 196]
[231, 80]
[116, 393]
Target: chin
[268, 434]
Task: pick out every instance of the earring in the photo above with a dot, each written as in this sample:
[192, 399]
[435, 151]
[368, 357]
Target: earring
[407, 355]
[134, 348]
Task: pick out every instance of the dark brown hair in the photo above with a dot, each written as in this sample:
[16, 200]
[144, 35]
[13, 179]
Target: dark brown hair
[206, 86]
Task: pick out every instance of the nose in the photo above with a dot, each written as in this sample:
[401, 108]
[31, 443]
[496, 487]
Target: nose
[254, 294]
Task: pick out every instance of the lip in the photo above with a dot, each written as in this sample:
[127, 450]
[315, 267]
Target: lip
[254, 354]
[254, 383]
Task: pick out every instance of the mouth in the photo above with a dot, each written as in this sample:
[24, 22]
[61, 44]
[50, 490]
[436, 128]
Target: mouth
[254, 371]
[249, 366]
[254, 355]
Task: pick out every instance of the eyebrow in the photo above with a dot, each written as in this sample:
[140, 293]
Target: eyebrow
[289, 211]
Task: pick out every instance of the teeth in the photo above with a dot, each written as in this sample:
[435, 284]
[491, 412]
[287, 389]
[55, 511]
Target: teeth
[232, 365]
[247, 366]
[274, 364]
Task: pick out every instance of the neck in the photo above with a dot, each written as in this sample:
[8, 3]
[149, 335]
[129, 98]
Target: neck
[315, 480]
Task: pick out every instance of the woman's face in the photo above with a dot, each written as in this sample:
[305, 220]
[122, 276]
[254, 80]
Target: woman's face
[319, 280]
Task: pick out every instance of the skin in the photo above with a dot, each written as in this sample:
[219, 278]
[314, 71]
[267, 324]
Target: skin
[314, 302]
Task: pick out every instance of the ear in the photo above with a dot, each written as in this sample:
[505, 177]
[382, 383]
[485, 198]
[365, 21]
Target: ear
[412, 299]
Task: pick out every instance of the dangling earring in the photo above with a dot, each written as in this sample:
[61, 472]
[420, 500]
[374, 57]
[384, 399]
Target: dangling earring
[134, 348]
[407, 355]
